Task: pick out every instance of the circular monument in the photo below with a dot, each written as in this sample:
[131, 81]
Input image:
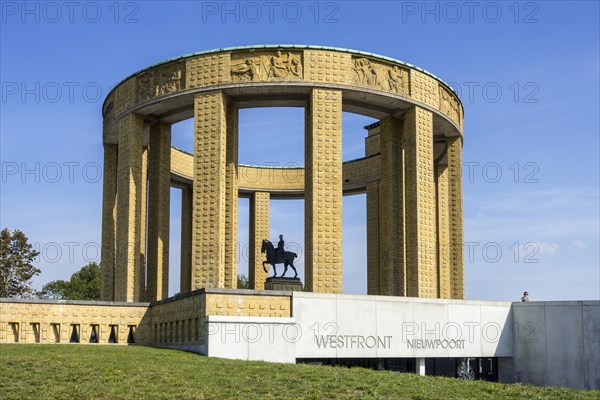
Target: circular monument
[411, 171]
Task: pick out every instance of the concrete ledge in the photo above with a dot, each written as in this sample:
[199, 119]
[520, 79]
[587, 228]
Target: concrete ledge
[248, 292]
[74, 302]
[250, 320]
[565, 303]
[400, 299]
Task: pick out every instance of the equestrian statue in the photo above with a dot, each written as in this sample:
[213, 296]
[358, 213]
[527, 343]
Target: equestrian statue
[278, 256]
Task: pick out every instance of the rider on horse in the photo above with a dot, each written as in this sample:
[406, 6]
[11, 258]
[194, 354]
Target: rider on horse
[277, 255]
[280, 250]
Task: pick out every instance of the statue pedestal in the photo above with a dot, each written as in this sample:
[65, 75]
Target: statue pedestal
[292, 284]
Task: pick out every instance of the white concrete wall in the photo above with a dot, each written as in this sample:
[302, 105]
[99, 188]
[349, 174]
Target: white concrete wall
[251, 338]
[557, 343]
[540, 343]
[382, 326]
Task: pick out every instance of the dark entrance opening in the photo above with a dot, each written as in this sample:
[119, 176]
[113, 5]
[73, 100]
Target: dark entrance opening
[379, 364]
[464, 368]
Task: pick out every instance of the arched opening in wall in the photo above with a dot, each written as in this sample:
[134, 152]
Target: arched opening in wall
[175, 242]
[182, 135]
[243, 237]
[354, 134]
[354, 243]
[271, 136]
[287, 219]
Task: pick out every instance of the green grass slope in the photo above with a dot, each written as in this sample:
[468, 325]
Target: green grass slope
[136, 372]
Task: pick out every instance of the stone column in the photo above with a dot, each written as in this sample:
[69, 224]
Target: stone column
[457, 261]
[109, 202]
[420, 204]
[159, 176]
[143, 205]
[392, 264]
[129, 214]
[259, 230]
[323, 192]
[373, 238]
[231, 198]
[443, 229]
[185, 275]
[209, 199]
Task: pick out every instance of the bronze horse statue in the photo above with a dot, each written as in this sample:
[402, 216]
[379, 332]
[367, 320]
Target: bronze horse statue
[288, 259]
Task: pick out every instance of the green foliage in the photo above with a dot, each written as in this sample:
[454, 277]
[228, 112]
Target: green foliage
[243, 282]
[83, 285]
[137, 372]
[16, 268]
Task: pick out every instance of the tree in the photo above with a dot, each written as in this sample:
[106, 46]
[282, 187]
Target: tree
[16, 268]
[83, 285]
[242, 282]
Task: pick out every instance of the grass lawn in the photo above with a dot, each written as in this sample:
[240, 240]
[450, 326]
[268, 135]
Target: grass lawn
[136, 372]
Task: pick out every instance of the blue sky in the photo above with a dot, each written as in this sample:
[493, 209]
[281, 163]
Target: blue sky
[527, 72]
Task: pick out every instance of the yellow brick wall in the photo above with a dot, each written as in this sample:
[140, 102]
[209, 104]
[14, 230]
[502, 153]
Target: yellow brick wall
[279, 179]
[185, 274]
[175, 321]
[421, 236]
[182, 320]
[124, 97]
[64, 316]
[318, 66]
[248, 305]
[207, 70]
[450, 106]
[159, 177]
[323, 197]
[457, 261]
[266, 65]
[182, 163]
[424, 89]
[140, 281]
[373, 279]
[109, 202]
[208, 223]
[129, 198]
[392, 262]
[358, 173]
[443, 228]
[327, 66]
[217, 179]
[259, 230]
[231, 199]
[371, 73]
[179, 320]
[372, 144]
